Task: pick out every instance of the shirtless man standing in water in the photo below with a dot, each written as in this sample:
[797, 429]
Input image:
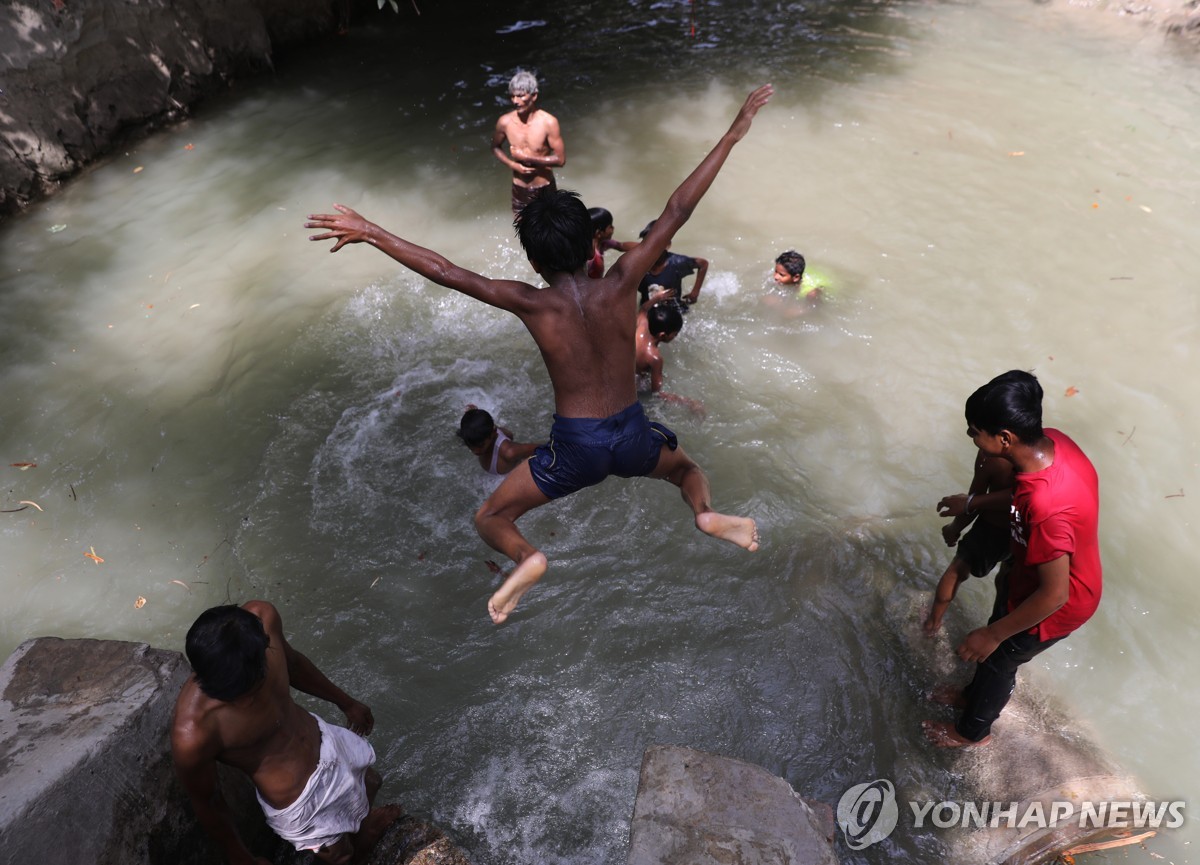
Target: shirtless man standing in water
[535, 143]
[585, 329]
[314, 780]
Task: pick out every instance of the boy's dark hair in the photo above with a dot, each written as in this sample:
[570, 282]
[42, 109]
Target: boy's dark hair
[792, 261]
[664, 318]
[555, 230]
[601, 218]
[1011, 401]
[227, 648]
[475, 427]
[649, 225]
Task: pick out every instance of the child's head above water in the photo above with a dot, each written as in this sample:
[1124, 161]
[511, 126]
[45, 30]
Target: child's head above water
[602, 221]
[789, 268]
[664, 320]
[476, 428]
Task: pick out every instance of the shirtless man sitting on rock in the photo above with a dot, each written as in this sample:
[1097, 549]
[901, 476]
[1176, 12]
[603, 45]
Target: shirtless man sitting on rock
[314, 780]
[585, 330]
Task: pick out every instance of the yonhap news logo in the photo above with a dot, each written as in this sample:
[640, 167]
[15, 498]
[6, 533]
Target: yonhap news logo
[868, 813]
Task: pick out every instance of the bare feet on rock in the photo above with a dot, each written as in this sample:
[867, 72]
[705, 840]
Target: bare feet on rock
[373, 826]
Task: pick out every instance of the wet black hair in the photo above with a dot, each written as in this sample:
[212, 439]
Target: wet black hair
[792, 261]
[227, 648]
[664, 318]
[1011, 401]
[601, 218]
[475, 427]
[649, 225]
[555, 230]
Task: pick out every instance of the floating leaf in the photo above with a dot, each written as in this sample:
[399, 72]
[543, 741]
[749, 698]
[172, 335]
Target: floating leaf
[1072, 390]
[23, 466]
[33, 504]
[189, 147]
[138, 170]
[182, 583]
[92, 555]
[1016, 153]
[139, 603]
[55, 229]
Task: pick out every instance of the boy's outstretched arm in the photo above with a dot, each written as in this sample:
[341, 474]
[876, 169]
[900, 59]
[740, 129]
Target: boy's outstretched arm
[346, 227]
[684, 199]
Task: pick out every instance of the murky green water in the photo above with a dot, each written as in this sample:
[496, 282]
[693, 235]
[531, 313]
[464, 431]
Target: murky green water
[223, 411]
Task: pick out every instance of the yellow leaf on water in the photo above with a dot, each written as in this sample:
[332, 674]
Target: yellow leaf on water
[139, 603]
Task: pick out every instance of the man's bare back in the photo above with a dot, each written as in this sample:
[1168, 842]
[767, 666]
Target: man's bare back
[262, 732]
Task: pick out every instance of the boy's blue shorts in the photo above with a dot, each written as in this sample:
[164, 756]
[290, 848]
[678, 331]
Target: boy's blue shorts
[583, 451]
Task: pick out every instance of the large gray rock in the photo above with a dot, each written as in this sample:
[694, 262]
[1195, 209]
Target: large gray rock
[81, 75]
[85, 761]
[695, 808]
[1040, 752]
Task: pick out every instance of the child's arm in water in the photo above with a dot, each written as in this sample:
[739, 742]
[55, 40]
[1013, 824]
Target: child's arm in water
[701, 269]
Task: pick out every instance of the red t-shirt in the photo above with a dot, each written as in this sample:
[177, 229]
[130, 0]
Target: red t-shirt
[1056, 512]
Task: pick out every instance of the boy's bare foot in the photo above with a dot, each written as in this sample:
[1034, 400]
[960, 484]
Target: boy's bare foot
[948, 695]
[524, 575]
[943, 734]
[742, 531]
[373, 826]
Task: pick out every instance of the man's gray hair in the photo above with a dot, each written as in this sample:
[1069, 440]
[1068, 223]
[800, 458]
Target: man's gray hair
[523, 82]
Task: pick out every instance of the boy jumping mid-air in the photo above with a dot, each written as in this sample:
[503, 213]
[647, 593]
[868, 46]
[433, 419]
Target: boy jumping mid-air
[584, 329]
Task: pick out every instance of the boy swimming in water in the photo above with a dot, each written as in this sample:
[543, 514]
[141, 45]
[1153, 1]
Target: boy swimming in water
[658, 324]
[493, 445]
[797, 295]
[602, 242]
[585, 330]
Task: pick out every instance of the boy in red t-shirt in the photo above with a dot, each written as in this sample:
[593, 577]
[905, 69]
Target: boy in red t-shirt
[1055, 583]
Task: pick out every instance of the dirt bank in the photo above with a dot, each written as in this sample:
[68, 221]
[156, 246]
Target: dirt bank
[79, 76]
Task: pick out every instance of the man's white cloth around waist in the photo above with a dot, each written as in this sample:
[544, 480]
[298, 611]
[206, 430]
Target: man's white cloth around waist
[334, 801]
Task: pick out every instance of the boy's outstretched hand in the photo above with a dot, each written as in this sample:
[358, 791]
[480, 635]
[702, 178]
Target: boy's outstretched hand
[345, 226]
[756, 100]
